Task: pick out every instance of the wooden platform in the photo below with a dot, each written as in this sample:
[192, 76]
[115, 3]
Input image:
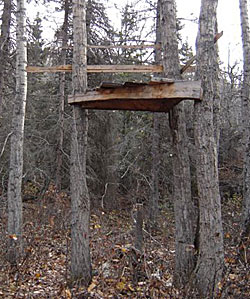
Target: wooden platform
[158, 95]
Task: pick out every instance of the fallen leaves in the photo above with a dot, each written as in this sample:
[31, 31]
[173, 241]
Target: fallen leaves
[13, 237]
[45, 272]
[91, 286]
[120, 285]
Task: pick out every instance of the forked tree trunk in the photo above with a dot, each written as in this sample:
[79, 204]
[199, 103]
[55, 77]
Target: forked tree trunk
[4, 46]
[245, 94]
[210, 262]
[183, 206]
[16, 153]
[80, 202]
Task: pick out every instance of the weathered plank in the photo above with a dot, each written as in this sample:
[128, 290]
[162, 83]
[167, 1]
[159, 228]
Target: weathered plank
[116, 68]
[139, 47]
[144, 97]
[156, 105]
[142, 46]
[98, 69]
[177, 90]
[49, 69]
[157, 80]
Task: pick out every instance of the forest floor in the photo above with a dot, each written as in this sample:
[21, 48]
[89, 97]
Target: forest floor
[43, 273]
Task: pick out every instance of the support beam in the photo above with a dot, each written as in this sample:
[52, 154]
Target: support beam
[192, 59]
[142, 46]
[139, 47]
[98, 69]
[116, 68]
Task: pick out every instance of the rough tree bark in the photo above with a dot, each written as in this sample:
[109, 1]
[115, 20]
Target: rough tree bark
[210, 261]
[183, 205]
[80, 202]
[245, 95]
[16, 151]
[4, 46]
[154, 196]
[59, 156]
[110, 199]
[217, 93]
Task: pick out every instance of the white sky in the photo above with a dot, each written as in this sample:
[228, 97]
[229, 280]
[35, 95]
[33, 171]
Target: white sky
[228, 21]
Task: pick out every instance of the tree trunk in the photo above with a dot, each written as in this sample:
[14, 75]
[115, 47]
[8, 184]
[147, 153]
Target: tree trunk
[59, 157]
[80, 202]
[183, 206]
[4, 46]
[217, 93]
[154, 196]
[210, 262]
[16, 152]
[245, 95]
[110, 196]
[137, 252]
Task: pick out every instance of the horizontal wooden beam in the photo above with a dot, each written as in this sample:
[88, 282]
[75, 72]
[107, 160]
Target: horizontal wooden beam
[148, 97]
[117, 68]
[49, 69]
[98, 69]
[141, 46]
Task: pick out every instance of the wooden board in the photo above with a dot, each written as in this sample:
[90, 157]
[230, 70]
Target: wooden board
[141, 46]
[159, 105]
[117, 68]
[145, 97]
[98, 69]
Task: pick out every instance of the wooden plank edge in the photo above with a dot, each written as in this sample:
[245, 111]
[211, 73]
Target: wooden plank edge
[141, 46]
[194, 92]
[99, 69]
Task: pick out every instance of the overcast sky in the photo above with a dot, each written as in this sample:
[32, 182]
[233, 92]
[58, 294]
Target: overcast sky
[228, 21]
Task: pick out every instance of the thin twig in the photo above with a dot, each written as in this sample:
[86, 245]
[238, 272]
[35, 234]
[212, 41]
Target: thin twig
[105, 191]
[5, 142]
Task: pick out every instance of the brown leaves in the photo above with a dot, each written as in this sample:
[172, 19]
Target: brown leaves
[13, 237]
[44, 271]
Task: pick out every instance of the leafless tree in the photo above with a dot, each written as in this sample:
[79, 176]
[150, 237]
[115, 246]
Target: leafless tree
[210, 262]
[17, 137]
[4, 46]
[80, 202]
[245, 95]
[183, 206]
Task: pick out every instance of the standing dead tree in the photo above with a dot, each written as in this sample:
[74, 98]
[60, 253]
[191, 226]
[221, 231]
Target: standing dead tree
[183, 206]
[80, 202]
[210, 263]
[15, 219]
[245, 95]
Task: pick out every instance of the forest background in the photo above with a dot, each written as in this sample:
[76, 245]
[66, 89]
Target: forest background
[119, 161]
[228, 21]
